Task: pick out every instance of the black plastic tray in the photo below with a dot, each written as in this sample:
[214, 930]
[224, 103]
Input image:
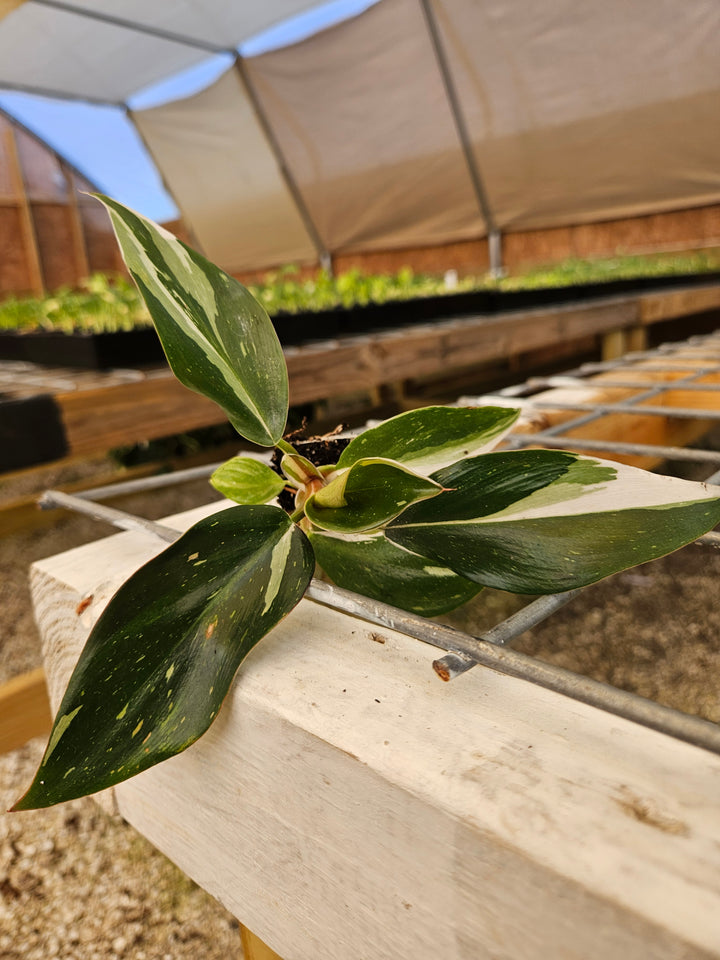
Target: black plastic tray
[141, 347]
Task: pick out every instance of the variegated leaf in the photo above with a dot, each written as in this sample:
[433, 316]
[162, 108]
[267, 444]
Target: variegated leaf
[161, 658]
[371, 565]
[433, 437]
[299, 469]
[245, 480]
[218, 339]
[543, 521]
[367, 495]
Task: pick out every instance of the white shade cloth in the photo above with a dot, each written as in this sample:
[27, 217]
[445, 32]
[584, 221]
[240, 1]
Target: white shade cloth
[346, 141]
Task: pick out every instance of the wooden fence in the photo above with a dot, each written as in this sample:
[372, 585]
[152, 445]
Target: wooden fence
[51, 233]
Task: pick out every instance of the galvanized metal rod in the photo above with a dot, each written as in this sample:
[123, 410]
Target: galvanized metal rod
[691, 729]
[683, 413]
[655, 366]
[543, 383]
[597, 412]
[452, 665]
[641, 449]
[494, 236]
[98, 511]
[274, 144]
[142, 484]
[700, 733]
[147, 29]
[52, 94]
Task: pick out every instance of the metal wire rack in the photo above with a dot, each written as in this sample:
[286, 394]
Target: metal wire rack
[686, 364]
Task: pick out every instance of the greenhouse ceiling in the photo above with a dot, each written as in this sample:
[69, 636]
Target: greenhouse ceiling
[411, 123]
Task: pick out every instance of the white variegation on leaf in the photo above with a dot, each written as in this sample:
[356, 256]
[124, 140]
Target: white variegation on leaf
[218, 339]
[299, 469]
[367, 495]
[542, 521]
[246, 480]
[428, 439]
[416, 513]
[372, 565]
[160, 659]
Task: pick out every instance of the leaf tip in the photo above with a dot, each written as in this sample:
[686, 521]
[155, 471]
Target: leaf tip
[25, 802]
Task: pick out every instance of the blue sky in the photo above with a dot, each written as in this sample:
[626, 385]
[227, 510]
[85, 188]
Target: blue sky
[102, 143]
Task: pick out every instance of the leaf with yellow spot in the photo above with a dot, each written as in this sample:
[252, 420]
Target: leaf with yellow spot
[193, 624]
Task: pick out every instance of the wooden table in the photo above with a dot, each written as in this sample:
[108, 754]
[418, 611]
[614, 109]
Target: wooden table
[347, 804]
[82, 413]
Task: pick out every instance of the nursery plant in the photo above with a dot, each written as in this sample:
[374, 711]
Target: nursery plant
[103, 304]
[416, 511]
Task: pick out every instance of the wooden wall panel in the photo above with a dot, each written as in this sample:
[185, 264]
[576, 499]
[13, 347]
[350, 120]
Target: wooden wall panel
[56, 244]
[14, 273]
[42, 174]
[102, 249]
[678, 230]
[7, 189]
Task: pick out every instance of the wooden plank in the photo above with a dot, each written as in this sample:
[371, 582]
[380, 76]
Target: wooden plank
[636, 338]
[99, 418]
[664, 232]
[32, 253]
[24, 710]
[254, 948]
[629, 427]
[360, 363]
[82, 267]
[56, 243]
[669, 304]
[158, 406]
[362, 808]
[613, 345]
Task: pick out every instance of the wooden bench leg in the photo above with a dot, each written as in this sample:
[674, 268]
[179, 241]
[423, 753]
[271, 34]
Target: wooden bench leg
[613, 345]
[637, 339]
[254, 948]
[24, 710]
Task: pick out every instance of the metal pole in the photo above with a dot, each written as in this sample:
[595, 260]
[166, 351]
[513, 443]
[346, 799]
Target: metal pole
[322, 252]
[193, 236]
[56, 94]
[494, 236]
[147, 29]
[465, 648]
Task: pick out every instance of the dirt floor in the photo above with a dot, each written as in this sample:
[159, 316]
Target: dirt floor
[76, 883]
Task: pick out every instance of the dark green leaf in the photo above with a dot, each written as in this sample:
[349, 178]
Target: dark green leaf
[544, 521]
[247, 481]
[367, 495]
[161, 657]
[218, 339]
[433, 437]
[371, 565]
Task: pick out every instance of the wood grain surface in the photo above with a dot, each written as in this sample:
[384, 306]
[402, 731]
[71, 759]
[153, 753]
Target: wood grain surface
[348, 805]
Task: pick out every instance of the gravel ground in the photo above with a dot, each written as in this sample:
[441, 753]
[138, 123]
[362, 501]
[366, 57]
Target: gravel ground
[76, 883]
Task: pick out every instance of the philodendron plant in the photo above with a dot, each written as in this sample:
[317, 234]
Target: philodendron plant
[415, 512]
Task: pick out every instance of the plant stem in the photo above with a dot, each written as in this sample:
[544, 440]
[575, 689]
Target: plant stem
[286, 447]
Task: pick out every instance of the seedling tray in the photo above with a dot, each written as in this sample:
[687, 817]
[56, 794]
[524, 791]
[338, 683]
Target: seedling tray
[141, 347]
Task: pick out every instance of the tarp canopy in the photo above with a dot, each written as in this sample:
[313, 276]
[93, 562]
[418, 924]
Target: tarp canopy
[414, 123]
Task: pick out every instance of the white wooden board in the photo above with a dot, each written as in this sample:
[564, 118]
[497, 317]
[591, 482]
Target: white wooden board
[348, 805]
